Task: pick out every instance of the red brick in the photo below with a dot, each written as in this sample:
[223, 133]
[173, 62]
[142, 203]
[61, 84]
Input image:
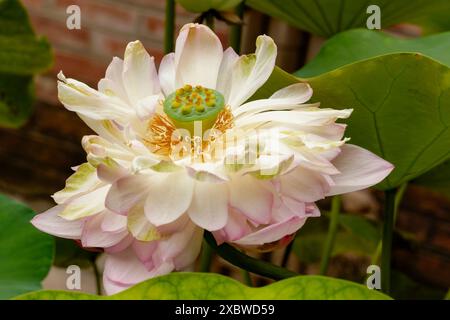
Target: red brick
[34, 4]
[107, 45]
[59, 35]
[79, 67]
[46, 89]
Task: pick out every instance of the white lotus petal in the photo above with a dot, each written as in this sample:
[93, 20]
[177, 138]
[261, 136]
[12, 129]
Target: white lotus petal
[167, 74]
[198, 55]
[252, 71]
[169, 197]
[288, 98]
[139, 73]
[50, 222]
[209, 207]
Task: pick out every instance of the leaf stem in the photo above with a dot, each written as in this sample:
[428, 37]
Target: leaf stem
[247, 278]
[206, 257]
[250, 264]
[169, 26]
[236, 30]
[331, 236]
[398, 200]
[287, 253]
[386, 249]
[98, 284]
[209, 19]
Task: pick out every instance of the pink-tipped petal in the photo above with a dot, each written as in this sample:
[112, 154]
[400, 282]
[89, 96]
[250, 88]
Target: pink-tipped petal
[51, 223]
[273, 232]
[123, 270]
[359, 169]
[93, 236]
[304, 185]
[126, 192]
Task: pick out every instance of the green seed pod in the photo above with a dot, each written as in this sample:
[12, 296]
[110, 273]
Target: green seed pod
[205, 5]
[187, 105]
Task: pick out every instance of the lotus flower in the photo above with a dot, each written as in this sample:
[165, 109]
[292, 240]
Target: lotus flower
[185, 150]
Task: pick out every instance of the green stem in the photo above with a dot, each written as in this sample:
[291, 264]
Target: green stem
[236, 30]
[250, 264]
[206, 257]
[287, 254]
[247, 278]
[169, 28]
[398, 201]
[209, 20]
[388, 228]
[98, 283]
[331, 236]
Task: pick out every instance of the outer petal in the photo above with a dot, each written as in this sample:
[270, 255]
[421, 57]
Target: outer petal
[236, 228]
[112, 84]
[167, 74]
[359, 169]
[188, 256]
[50, 222]
[139, 73]
[304, 185]
[273, 232]
[177, 243]
[124, 269]
[94, 236]
[209, 207]
[86, 205]
[300, 117]
[80, 98]
[252, 71]
[224, 81]
[126, 192]
[139, 226]
[83, 180]
[287, 98]
[251, 198]
[198, 55]
[169, 197]
[113, 222]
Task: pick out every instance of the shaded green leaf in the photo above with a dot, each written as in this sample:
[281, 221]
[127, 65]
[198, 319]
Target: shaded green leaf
[357, 45]
[191, 286]
[437, 179]
[328, 17]
[16, 99]
[25, 252]
[21, 51]
[22, 55]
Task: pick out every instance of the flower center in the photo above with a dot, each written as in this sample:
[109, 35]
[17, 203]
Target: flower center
[189, 104]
